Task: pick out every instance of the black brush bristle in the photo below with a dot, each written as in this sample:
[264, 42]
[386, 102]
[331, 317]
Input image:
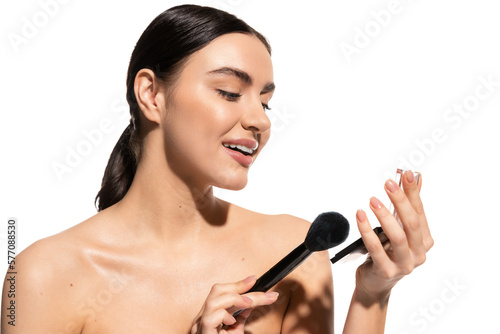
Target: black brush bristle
[328, 230]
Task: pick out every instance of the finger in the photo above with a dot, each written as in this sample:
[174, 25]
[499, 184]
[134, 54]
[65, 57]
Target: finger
[371, 240]
[262, 298]
[222, 301]
[231, 302]
[399, 243]
[409, 218]
[419, 181]
[227, 296]
[246, 284]
[236, 288]
[211, 322]
[412, 191]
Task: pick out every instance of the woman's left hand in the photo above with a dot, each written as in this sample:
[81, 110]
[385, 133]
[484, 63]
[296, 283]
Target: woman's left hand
[407, 246]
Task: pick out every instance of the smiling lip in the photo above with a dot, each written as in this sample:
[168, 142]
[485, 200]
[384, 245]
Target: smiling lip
[248, 144]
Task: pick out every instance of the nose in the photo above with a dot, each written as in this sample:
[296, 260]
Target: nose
[255, 118]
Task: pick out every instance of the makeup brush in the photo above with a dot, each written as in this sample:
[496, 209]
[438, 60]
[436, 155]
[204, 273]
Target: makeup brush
[328, 230]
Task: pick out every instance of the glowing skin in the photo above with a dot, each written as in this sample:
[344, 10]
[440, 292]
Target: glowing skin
[219, 99]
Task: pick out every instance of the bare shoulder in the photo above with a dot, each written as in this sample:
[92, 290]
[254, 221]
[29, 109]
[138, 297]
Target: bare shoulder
[282, 230]
[287, 227]
[50, 275]
[272, 235]
[306, 294]
[291, 224]
[277, 235]
[289, 232]
[58, 257]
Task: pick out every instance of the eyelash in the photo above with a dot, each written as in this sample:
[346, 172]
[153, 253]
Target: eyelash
[233, 97]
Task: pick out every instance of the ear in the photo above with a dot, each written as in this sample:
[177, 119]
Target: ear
[149, 95]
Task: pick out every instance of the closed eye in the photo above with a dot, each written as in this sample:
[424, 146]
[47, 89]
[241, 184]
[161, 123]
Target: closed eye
[232, 97]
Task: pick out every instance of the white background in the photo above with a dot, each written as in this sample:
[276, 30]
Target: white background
[342, 125]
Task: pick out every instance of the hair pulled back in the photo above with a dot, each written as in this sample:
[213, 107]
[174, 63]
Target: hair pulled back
[163, 47]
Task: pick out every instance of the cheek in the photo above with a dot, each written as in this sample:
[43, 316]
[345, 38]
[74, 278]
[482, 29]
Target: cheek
[212, 116]
[200, 117]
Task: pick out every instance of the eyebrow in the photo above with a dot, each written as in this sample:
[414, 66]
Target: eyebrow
[243, 76]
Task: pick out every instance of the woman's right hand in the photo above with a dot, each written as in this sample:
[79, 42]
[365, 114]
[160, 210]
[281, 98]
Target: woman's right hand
[216, 315]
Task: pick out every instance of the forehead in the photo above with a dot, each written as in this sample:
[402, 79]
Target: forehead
[236, 50]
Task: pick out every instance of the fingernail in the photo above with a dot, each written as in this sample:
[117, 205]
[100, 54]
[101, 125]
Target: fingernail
[391, 186]
[410, 177]
[249, 279]
[360, 215]
[375, 203]
[272, 295]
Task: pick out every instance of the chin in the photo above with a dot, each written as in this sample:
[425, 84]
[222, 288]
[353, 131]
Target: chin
[238, 187]
[233, 182]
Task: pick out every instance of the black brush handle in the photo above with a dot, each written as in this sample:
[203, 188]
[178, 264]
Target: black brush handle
[358, 246]
[280, 270]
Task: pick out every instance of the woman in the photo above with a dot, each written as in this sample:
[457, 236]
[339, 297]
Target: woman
[163, 255]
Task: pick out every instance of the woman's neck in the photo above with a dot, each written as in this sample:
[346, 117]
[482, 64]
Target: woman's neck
[169, 206]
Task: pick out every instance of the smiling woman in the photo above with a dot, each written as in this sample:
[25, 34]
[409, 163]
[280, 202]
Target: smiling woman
[221, 95]
[160, 56]
[163, 254]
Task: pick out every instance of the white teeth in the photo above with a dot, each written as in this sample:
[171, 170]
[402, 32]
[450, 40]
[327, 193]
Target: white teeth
[241, 148]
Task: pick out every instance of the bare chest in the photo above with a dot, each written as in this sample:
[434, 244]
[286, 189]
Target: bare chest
[166, 298]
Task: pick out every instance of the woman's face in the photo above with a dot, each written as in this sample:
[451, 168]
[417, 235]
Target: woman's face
[215, 123]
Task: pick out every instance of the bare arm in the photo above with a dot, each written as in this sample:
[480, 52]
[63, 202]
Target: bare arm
[39, 292]
[366, 314]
